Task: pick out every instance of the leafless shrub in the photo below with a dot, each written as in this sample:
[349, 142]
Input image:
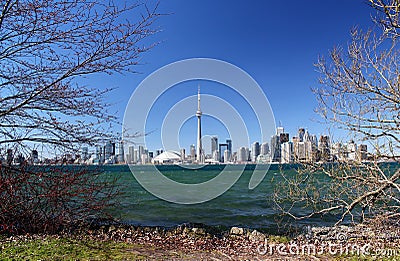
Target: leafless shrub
[359, 92]
[48, 199]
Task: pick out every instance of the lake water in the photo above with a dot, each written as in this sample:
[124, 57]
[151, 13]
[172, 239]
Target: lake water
[239, 206]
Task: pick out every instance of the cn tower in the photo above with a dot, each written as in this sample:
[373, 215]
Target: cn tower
[199, 152]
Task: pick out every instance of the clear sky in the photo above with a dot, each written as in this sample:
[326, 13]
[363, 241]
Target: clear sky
[276, 42]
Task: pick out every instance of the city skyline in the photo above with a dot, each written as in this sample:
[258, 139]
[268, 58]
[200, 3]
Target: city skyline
[278, 50]
[266, 46]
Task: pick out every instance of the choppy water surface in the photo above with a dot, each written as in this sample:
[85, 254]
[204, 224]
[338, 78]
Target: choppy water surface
[239, 206]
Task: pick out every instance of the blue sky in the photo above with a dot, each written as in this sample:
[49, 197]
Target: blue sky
[276, 42]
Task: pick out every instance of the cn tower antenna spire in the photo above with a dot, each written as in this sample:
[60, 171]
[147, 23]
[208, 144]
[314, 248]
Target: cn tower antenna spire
[198, 98]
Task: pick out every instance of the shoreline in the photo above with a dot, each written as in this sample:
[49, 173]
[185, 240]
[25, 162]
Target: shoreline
[197, 241]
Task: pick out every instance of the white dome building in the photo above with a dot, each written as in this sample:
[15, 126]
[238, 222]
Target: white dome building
[167, 157]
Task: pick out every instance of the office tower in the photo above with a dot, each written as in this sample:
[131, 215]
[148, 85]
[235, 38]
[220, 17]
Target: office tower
[183, 154]
[287, 152]
[131, 152]
[301, 134]
[255, 151]
[109, 150]
[199, 152]
[128, 158]
[227, 156]
[362, 152]
[310, 148]
[264, 149]
[229, 143]
[119, 151]
[314, 140]
[279, 130]
[214, 145]
[85, 153]
[301, 151]
[352, 150]
[248, 156]
[146, 156]
[192, 152]
[242, 155]
[306, 136]
[339, 153]
[216, 156]
[140, 153]
[323, 147]
[99, 153]
[135, 158]
[275, 148]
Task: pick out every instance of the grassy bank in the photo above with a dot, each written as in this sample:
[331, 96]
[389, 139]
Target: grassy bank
[51, 248]
[124, 242]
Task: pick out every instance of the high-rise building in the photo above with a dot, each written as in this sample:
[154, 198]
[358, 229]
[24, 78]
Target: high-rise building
[214, 145]
[135, 158]
[248, 158]
[128, 158]
[99, 154]
[339, 152]
[144, 159]
[227, 156]
[264, 149]
[131, 152]
[255, 151]
[362, 152]
[324, 148]
[192, 152]
[279, 130]
[183, 154]
[314, 141]
[242, 155]
[275, 148]
[229, 143]
[109, 150]
[147, 157]
[216, 156]
[352, 150]
[119, 150]
[301, 151]
[306, 136]
[287, 152]
[140, 153]
[310, 147]
[302, 132]
[85, 153]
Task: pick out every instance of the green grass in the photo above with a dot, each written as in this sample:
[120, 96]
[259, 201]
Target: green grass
[71, 249]
[279, 239]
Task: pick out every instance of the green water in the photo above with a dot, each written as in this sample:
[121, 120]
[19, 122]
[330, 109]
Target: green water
[239, 206]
